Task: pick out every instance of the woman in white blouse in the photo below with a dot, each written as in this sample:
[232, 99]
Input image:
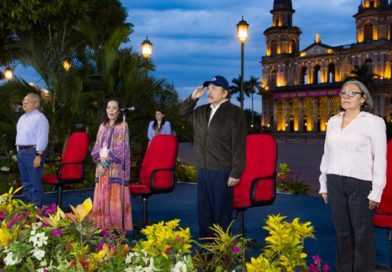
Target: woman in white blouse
[353, 176]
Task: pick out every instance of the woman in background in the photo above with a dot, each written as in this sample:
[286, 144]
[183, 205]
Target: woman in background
[158, 126]
[353, 176]
[110, 152]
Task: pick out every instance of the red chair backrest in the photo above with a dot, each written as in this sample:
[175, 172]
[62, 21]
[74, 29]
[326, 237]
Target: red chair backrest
[261, 156]
[160, 154]
[75, 150]
[386, 199]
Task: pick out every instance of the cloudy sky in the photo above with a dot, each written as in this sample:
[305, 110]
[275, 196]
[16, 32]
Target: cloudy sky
[196, 39]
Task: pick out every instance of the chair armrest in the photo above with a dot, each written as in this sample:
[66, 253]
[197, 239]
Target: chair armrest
[152, 176]
[255, 182]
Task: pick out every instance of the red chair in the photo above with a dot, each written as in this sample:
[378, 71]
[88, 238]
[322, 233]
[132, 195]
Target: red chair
[157, 170]
[383, 214]
[71, 169]
[257, 184]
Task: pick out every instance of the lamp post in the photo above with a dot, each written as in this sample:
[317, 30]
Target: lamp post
[146, 51]
[8, 74]
[242, 34]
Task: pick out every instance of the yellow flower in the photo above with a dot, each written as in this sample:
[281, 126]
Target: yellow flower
[54, 220]
[102, 253]
[82, 210]
[5, 236]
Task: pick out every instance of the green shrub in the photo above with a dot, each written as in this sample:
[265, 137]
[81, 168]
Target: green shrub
[288, 181]
[186, 172]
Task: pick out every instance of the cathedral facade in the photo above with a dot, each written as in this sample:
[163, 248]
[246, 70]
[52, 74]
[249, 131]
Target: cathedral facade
[300, 88]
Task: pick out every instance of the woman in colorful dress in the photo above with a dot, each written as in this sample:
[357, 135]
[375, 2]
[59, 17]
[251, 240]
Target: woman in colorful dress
[110, 152]
[158, 126]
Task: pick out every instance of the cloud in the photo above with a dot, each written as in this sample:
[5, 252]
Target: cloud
[196, 39]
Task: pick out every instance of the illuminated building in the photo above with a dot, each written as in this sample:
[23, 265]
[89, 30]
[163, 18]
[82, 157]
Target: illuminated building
[301, 86]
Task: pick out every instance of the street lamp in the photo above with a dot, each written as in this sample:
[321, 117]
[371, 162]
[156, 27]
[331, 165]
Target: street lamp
[242, 34]
[146, 50]
[7, 74]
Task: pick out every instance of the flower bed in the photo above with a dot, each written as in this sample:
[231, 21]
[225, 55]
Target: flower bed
[48, 239]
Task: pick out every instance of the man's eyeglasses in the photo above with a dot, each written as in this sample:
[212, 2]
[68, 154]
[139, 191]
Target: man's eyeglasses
[349, 93]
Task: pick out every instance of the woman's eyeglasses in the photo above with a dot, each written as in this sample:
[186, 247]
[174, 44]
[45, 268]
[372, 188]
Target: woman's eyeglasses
[349, 93]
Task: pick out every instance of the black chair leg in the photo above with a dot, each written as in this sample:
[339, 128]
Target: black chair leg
[239, 215]
[60, 197]
[241, 223]
[145, 213]
[389, 238]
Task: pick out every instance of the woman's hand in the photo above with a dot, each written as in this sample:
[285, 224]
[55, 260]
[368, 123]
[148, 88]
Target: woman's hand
[325, 197]
[100, 170]
[373, 204]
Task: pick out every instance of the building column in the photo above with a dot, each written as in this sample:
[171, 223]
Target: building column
[301, 115]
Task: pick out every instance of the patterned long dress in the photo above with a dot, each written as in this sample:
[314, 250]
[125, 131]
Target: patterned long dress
[107, 208]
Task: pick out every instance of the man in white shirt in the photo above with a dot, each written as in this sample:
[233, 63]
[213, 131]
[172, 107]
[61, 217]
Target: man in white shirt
[32, 132]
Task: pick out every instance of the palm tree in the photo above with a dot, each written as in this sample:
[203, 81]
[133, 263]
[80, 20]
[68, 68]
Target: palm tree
[252, 86]
[364, 74]
[236, 88]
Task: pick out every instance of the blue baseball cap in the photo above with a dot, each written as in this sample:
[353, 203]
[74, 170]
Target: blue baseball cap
[219, 81]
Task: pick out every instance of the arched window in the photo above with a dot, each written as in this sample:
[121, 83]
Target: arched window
[293, 46]
[369, 64]
[274, 47]
[390, 32]
[276, 21]
[368, 32]
[304, 75]
[274, 78]
[331, 73]
[317, 74]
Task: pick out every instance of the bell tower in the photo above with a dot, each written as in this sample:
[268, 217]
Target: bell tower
[282, 37]
[374, 21]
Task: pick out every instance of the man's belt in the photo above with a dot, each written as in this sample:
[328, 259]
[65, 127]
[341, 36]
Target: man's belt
[26, 146]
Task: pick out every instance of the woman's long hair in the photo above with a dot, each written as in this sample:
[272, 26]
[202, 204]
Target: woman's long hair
[105, 118]
[155, 124]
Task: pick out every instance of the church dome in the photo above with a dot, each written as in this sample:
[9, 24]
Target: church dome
[283, 4]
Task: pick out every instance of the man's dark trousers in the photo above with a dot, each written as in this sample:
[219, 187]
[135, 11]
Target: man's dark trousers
[214, 200]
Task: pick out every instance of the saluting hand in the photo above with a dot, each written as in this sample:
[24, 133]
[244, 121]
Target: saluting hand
[198, 92]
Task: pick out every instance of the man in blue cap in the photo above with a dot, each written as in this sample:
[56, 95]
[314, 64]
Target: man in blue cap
[220, 130]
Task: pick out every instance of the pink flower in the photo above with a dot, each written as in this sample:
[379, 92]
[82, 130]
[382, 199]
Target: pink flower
[313, 268]
[51, 210]
[2, 216]
[168, 250]
[15, 219]
[235, 249]
[105, 234]
[326, 268]
[100, 246]
[316, 259]
[56, 233]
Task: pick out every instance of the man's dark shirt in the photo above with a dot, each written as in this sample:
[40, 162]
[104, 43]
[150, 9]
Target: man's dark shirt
[221, 145]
